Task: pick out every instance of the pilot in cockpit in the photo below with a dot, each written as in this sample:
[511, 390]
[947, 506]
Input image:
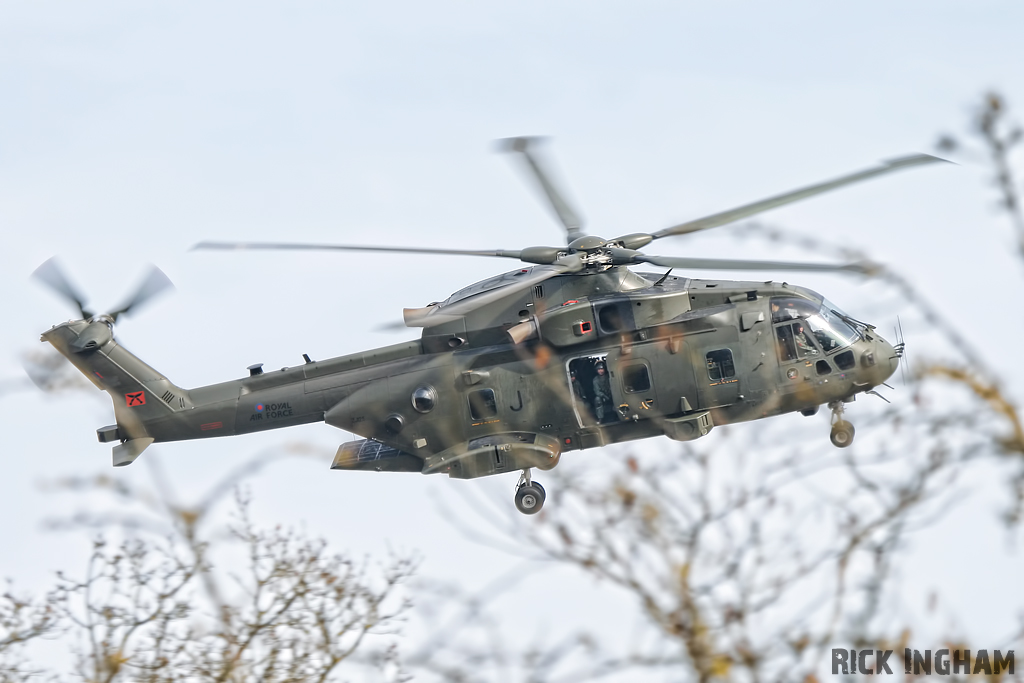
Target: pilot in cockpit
[802, 342]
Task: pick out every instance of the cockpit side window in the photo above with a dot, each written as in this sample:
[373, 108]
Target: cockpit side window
[787, 347]
[795, 342]
[804, 346]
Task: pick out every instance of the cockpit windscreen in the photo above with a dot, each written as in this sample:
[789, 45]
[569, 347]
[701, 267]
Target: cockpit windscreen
[830, 330]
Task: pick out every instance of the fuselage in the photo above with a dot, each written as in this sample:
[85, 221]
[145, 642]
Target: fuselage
[581, 362]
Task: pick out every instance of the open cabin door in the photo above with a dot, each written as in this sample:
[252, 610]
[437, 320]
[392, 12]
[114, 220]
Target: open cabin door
[641, 382]
[591, 387]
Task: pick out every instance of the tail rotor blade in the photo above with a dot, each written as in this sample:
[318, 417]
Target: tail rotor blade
[155, 283]
[49, 371]
[51, 274]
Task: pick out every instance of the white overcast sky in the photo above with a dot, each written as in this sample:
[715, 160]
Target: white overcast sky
[130, 131]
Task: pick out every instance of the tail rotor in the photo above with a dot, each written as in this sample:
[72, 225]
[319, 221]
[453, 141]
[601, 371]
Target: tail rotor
[52, 275]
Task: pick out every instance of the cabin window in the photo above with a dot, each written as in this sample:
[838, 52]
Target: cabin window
[636, 378]
[720, 365]
[482, 404]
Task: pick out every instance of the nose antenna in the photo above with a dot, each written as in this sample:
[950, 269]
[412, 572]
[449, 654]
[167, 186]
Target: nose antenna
[901, 349]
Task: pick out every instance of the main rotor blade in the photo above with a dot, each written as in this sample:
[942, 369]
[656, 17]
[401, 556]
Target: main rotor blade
[436, 315]
[154, 283]
[50, 274]
[569, 218]
[715, 220]
[735, 264]
[287, 246]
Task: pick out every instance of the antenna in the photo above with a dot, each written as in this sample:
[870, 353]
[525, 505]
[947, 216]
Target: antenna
[901, 349]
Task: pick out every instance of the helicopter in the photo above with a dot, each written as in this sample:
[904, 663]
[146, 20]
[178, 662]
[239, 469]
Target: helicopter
[571, 351]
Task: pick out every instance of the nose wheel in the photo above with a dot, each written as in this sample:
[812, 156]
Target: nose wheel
[530, 495]
[842, 431]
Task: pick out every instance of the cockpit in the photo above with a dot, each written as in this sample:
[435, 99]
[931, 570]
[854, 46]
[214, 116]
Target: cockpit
[826, 357]
[815, 328]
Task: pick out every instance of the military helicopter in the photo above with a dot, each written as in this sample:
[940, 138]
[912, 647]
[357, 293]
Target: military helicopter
[573, 350]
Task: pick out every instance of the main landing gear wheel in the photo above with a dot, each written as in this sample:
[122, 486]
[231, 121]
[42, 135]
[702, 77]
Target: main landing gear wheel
[530, 495]
[842, 434]
[529, 499]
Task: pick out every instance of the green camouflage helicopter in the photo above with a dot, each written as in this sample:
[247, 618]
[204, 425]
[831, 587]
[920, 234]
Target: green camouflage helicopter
[573, 351]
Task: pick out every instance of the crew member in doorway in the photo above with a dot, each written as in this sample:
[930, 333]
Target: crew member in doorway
[577, 388]
[603, 396]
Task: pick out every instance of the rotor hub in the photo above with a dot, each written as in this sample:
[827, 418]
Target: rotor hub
[597, 260]
[587, 243]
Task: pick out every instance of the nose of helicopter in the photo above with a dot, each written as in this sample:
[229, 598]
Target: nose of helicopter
[881, 360]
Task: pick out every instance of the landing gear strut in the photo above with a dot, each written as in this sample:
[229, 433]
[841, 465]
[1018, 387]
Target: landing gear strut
[842, 431]
[530, 495]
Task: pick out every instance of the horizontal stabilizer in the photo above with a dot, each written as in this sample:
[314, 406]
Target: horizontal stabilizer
[125, 454]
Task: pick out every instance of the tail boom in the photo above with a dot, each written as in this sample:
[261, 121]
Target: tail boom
[149, 408]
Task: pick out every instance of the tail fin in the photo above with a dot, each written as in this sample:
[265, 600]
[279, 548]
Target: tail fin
[140, 394]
